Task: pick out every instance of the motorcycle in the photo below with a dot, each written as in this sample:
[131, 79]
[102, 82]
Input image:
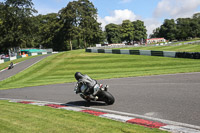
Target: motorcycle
[10, 65]
[100, 94]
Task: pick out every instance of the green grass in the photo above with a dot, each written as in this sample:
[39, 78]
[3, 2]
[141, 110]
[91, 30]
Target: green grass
[21, 118]
[60, 68]
[180, 48]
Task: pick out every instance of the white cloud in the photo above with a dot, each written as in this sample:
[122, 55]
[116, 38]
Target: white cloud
[120, 15]
[125, 1]
[176, 8]
[58, 1]
[117, 17]
[151, 24]
[45, 10]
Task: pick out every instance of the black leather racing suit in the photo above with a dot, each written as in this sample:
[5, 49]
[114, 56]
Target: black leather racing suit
[89, 82]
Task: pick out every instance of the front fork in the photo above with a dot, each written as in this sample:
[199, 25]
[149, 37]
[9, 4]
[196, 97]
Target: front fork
[104, 88]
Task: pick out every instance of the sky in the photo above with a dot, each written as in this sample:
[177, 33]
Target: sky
[152, 12]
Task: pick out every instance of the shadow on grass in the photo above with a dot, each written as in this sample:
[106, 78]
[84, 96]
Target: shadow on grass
[85, 103]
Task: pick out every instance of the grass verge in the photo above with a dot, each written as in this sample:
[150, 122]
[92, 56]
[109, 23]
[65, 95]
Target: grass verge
[179, 48]
[60, 68]
[21, 118]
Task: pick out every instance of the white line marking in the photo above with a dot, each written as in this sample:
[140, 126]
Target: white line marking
[72, 108]
[179, 129]
[117, 117]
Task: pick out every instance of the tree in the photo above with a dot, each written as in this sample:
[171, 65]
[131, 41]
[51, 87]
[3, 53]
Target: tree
[196, 16]
[182, 29]
[88, 24]
[127, 31]
[97, 34]
[76, 23]
[183, 26]
[113, 33]
[196, 24]
[80, 22]
[156, 33]
[168, 29]
[16, 25]
[140, 32]
[49, 33]
[70, 18]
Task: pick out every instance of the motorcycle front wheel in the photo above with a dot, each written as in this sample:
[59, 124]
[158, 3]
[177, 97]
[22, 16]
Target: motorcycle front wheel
[108, 98]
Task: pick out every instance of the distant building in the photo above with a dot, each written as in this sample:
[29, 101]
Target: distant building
[155, 40]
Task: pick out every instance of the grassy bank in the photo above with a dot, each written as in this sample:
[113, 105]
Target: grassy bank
[179, 48]
[60, 68]
[21, 118]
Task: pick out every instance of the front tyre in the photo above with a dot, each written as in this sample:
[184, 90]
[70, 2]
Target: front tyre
[108, 98]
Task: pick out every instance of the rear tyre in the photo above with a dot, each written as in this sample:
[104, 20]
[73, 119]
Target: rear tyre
[108, 98]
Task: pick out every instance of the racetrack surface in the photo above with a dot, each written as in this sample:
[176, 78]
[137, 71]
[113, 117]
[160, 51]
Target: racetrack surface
[172, 97]
[20, 67]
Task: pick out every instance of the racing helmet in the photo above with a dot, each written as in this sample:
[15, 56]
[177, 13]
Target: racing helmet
[78, 75]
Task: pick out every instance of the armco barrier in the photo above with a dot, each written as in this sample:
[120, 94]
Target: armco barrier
[124, 51]
[88, 50]
[156, 53]
[116, 51]
[22, 56]
[13, 58]
[19, 56]
[108, 51]
[145, 52]
[94, 51]
[101, 51]
[191, 55]
[6, 59]
[169, 54]
[134, 52]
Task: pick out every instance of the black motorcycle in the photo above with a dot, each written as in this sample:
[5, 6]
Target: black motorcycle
[100, 93]
[11, 65]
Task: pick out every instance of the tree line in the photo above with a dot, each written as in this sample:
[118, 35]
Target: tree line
[179, 29]
[74, 26]
[128, 32]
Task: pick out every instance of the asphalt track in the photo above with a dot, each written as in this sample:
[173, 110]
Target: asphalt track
[20, 67]
[174, 97]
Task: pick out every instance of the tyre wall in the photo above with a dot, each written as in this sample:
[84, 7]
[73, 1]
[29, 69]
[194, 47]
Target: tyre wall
[191, 55]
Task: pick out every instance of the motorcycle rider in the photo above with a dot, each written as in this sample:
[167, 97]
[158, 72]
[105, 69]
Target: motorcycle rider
[10, 65]
[85, 84]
